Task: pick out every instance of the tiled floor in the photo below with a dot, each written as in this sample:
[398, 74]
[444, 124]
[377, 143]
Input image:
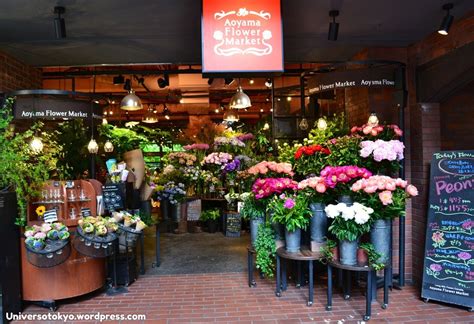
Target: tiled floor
[226, 298]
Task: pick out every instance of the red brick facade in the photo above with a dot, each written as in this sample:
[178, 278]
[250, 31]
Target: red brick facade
[15, 75]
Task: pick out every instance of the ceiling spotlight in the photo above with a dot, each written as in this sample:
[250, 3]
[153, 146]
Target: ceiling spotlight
[373, 120]
[210, 80]
[131, 102]
[216, 111]
[118, 80]
[96, 101]
[447, 20]
[231, 116]
[322, 124]
[240, 100]
[288, 98]
[304, 124]
[333, 25]
[111, 112]
[113, 102]
[36, 145]
[164, 81]
[93, 147]
[59, 23]
[268, 83]
[261, 110]
[228, 81]
[251, 81]
[150, 117]
[105, 113]
[108, 147]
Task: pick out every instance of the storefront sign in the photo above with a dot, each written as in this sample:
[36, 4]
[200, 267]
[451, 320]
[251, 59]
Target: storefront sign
[241, 36]
[329, 81]
[42, 108]
[448, 272]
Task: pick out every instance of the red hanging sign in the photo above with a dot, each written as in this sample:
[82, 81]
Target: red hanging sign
[241, 36]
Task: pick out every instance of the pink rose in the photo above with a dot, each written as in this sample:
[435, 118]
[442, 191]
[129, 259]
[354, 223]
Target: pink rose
[357, 186]
[391, 186]
[412, 191]
[366, 130]
[373, 132]
[321, 188]
[401, 183]
[386, 197]
[381, 184]
[370, 189]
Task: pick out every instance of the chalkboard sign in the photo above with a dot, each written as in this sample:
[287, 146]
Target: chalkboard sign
[448, 272]
[194, 210]
[86, 212]
[233, 224]
[114, 196]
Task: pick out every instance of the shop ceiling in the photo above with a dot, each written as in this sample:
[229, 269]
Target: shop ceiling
[143, 31]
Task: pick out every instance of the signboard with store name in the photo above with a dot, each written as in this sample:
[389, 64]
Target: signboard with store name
[448, 272]
[242, 36]
[374, 77]
[47, 108]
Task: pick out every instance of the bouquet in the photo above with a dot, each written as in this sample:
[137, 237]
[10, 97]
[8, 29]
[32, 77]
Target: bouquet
[199, 149]
[98, 226]
[341, 177]
[217, 159]
[245, 137]
[310, 159]
[209, 181]
[172, 191]
[290, 210]
[129, 220]
[387, 196]
[271, 169]
[229, 144]
[191, 174]
[36, 236]
[349, 222]
[381, 155]
[385, 132]
[179, 159]
[315, 188]
[264, 188]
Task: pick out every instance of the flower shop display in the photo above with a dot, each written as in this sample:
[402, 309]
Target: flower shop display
[198, 149]
[384, 132]
[271, 169]
[171, 191]
[382, 156]
[265, 188]
[95, 235]
[349, 223]
[340, 178]
[291, 210]
[216, 160]
[47, 245]
[310, 159]
[344, 151]
[181, 159]
[211, 216]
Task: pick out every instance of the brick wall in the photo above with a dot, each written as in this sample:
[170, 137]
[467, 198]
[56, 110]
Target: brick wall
[15, 75]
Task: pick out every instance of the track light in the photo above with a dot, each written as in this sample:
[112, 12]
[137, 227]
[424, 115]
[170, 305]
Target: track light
[268, 83]
[447, 20]
[119, 79]
[164, 81]
[251, 81]
[333, 25]
[228, 81]
[59, 23]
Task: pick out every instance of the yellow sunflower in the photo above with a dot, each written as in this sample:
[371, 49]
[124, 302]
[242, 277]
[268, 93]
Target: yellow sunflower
[40, 210]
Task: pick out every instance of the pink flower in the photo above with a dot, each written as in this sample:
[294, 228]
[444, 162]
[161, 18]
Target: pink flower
[357, 186]
[289, 203]
[412, 191]
[366, 130]
[370, 189]
[321, 188]
[386, 197]
[381, 184]
[391, 186]
[400, 183]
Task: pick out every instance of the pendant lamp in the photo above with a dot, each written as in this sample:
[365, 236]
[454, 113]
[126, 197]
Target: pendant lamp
[131, 102]
[150, 117]
[231, 116]
[240, 100]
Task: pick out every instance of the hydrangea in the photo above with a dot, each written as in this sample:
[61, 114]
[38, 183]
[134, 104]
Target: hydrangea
[382, 150]
[217, 158]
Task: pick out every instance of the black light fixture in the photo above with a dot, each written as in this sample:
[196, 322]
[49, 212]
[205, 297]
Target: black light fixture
[59, 23]
[127, 85]
[119, 79]
[447, 20]
[210, 80]
[228, 81]
[164, 81]
[268, 83]
[333, 25]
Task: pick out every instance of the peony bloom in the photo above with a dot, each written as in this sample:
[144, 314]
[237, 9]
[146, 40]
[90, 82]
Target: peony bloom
[412, 191]
[289, 203]
[321, 188]
[386, 197]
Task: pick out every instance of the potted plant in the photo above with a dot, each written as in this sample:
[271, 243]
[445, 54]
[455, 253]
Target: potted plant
[349, 223]
[329, 251]
[265, 249]
[387, 197]
[211, 216]
[370, 256]
[253, 210]
[291, 210]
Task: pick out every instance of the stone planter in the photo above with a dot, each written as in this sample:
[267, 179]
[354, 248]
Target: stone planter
[380, 235]
[348, 252]
[254, 225]
[293, 240]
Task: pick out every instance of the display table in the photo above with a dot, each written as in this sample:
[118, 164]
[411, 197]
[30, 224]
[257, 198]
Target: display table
[371, 273]
[305, 254]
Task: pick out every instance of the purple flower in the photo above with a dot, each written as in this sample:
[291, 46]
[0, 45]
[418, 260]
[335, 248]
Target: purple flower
[436, 267]
[282, 196]
[467, 225]
[245, 137]
[289, 203]
[464, 255]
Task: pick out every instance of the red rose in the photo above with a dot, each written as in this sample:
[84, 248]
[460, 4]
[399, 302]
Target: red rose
[317, 147]
[326, 151]
[298, 153]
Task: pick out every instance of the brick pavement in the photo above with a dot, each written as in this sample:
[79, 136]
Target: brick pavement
[226, 298]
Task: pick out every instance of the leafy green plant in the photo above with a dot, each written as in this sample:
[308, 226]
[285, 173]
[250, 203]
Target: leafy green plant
[344, 151]
[326, 251]
[266, 250]
[373, 256]
[21, 169]
[252, 208]
[336, 127]
[291, 211]
[210, 214]
[123, 139]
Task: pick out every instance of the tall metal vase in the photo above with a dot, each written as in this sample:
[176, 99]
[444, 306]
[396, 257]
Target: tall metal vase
[346, 199]
[254, 225]
[293, 240]
[318, 223]
[165, 209]
[380, 235]
[348, 252]
[175, 212]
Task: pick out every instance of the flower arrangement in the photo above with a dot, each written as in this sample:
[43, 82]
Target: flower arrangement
[340, 177]
[181, 159]
[231, 166]
[191, 174]
[174, 192]
[310, 159]
[385, 132]
[290, 210]
[344, 151]
[286, 152]
[133, 221]
[382, 156]
[349, 222]
[36, 236]
[210, 214]
[270, 169]
[231, 141]
[315, 188]
[385, 195]
[245, 137]
[264, 188]
[98, 226]
[217, 158]
[196, 147]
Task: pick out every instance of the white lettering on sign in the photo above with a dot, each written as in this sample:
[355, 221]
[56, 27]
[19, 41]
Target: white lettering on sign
[54, 114]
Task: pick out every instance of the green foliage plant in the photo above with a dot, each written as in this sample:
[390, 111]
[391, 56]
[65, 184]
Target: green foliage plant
[336, 127]
[326, 251]
[252, 208]
[265, 248]
[210, 214]
[373, 256]
[291, 211]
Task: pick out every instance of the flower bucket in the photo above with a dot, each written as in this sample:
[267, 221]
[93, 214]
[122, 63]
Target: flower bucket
[254, 224]
[175, 212]
[318, 223]
[279, 231]
[212, 225]
[293, 240]
[348, 252]
[165, 209]
[135, 162]
[380, 234]
[346, 199]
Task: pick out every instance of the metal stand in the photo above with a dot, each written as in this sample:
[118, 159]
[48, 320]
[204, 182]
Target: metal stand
[157, 262]
[115, 289]
[250, 252]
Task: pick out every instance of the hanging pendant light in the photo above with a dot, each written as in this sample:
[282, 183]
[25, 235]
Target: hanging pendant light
[304, 124]
[108, 147]
[150, 117]
[231, 116]
[131, 102]
[93, 147]
[240, 100]
[104, 121]
[266, 126]
[322, 124]
[373, 120]
[36, 145]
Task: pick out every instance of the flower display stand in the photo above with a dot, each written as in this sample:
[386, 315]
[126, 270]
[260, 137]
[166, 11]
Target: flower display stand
[54, 253]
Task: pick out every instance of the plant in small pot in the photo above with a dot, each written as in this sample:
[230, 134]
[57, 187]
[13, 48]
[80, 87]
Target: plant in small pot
[366, 255]
[315, 189]
[254, 211]
[387, 196]
[291, 210]
[210, 216]
[265, 248]
[349, 224]
[329, 251]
